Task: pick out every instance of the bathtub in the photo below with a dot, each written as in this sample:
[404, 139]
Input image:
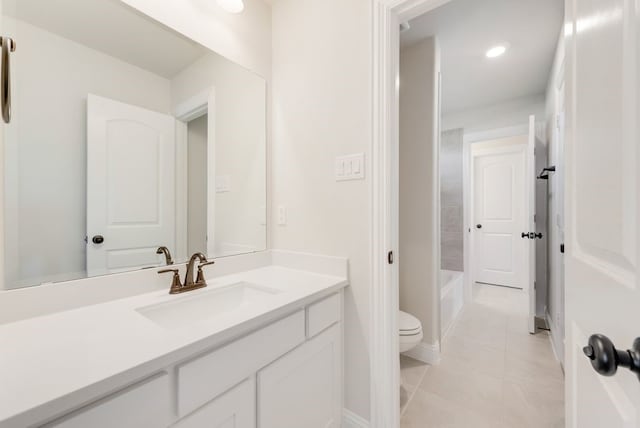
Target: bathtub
[451, 297]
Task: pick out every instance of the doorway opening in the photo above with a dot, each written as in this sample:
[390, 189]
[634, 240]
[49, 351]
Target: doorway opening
[465, 219]
[197, 180]
[498, 205]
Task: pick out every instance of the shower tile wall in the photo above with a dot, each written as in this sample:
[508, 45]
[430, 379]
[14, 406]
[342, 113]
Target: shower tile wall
[451, 222]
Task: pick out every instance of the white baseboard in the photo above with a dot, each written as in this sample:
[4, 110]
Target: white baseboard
[554, 340]
[352, 420]
[426, 352]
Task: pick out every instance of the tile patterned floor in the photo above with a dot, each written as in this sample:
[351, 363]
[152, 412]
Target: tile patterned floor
[493, 373]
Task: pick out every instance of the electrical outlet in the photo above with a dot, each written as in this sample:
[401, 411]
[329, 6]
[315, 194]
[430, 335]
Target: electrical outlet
[282, 215]
[223, 183]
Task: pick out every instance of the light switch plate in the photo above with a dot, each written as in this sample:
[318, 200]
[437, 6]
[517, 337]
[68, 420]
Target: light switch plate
[350, 167]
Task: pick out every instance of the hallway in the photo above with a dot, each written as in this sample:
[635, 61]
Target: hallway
[493, 373]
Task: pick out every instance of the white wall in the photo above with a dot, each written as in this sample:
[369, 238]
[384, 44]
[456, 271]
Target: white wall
[555, 102]
[322, 109]
[243, 38]
[419, 187]
[503, 115]
[240, 148]
[45, 145]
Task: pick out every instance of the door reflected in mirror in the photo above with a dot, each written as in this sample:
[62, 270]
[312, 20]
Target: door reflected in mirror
[123, 142]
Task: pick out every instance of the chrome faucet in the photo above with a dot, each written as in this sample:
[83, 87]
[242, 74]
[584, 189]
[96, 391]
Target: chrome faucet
[167, 254]
[189, 284]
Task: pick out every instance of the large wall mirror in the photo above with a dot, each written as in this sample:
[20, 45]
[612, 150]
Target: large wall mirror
[125, 137]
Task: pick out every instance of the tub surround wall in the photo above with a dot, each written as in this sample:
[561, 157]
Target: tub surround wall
[451, 200]
[452, 297]
[419, 187]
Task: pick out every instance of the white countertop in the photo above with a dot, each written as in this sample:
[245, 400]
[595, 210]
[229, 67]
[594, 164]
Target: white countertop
[66, 359]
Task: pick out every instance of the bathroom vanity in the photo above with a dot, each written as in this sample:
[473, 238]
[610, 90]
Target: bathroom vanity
[259, 347]
[127, 152]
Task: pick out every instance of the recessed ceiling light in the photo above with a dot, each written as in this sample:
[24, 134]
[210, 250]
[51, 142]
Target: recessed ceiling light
[231, 6]
[496, 51]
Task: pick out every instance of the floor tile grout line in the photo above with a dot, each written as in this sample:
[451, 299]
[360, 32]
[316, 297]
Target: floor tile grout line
[512, 323]
[413, 393]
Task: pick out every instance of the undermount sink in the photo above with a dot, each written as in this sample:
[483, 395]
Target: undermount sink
[205, 305]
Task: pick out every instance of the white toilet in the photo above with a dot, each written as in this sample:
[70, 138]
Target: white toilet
[410, 331]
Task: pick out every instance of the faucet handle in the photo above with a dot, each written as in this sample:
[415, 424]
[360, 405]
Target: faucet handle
[200, 277]
[176, 285]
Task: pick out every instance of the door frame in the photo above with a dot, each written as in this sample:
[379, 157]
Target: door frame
[475, 150]
[193, 108]
[384, 298]
[467, 173]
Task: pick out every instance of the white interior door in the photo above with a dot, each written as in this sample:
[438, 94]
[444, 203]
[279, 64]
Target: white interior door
[530, 221]
[499, 207]
[602, 227]
[130, 185]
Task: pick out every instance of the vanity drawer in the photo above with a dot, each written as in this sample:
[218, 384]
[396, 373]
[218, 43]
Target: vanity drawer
[323, 314]
[147, 404]
[208, 376]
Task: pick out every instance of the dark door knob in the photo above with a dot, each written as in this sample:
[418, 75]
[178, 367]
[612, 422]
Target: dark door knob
[606, 359]
[98, 239]
[525, 234]
[478, 226]
[537, 235]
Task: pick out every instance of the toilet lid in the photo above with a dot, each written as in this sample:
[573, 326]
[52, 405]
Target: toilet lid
[408, 324]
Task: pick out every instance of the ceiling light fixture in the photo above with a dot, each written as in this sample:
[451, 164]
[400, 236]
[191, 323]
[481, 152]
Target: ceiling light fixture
[496, 51]
[231, 6]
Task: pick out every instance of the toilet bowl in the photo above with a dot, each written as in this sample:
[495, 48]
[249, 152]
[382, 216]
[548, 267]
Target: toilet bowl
[410, 331]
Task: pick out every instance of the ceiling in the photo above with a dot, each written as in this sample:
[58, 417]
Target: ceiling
[466, 29]
[113, 28]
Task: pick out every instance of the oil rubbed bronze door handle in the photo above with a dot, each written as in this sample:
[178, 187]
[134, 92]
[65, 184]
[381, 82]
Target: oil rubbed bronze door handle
[8, 46]
[606, 359]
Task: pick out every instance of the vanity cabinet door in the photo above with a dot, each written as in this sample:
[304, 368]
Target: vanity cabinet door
[233, 409]
[304, 388]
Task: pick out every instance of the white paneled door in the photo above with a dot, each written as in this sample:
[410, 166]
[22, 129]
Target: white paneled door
[530, 222]
[602, 227]
[500, 212]
[130, 185]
